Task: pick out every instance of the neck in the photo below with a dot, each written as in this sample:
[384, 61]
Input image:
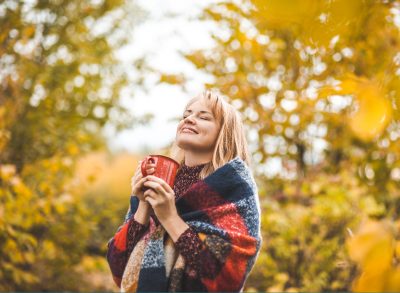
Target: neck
[194, 159]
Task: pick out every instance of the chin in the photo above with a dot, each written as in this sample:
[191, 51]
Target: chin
[186, 144]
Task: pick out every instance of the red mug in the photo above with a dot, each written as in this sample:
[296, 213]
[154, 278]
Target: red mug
[165, 168]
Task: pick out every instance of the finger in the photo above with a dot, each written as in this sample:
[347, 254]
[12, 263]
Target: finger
[150, 170]
[155, 186]
[133, 181]
[149, 192]
[160, 181]
[150, 200]
[136, 175]
[139, 184]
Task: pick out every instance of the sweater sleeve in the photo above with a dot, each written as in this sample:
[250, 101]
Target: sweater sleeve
[214, 261]
[121, 246]
[197, 255]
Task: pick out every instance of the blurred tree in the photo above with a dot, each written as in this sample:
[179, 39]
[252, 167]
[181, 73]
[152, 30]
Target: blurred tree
[60, 82]
[318, 84]
[102, 182]
[273, 60]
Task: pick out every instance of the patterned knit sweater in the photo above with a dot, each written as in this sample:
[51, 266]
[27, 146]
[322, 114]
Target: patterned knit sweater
[216, 253]
[131, 232]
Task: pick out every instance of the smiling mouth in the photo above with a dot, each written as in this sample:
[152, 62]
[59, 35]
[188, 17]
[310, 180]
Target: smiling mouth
[188, 130]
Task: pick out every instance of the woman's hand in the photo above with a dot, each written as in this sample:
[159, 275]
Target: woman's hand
[138, 180]
[143, 211]
[161, 197]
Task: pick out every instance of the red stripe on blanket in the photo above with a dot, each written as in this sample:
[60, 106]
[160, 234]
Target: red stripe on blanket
[231, 276]
[221, 212]
[120, 237]
[225, 215]
[235, 266]
[193, 197]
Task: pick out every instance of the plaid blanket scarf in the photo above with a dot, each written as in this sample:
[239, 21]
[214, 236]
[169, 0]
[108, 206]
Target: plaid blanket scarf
[223, 209]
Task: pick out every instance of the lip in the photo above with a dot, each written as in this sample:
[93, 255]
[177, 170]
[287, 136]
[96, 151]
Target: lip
[189, 128]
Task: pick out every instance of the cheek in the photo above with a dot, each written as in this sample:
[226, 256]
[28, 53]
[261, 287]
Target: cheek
[214, 133]
[179, 126]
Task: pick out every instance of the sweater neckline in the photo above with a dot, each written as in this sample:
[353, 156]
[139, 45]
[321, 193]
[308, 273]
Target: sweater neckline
[192, 168]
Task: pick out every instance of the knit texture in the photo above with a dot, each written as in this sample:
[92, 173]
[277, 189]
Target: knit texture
[224, 215]
[127, 236]
[186, 177]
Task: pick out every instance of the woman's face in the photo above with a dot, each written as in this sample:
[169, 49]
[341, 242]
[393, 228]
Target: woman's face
[198, 130]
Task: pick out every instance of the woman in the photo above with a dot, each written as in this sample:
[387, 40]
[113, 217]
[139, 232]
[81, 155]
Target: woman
[204, 233]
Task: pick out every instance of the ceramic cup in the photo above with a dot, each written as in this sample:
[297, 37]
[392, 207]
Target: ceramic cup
[165, 168]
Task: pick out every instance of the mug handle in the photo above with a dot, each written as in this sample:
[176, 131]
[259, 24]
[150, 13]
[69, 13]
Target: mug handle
[143, 167]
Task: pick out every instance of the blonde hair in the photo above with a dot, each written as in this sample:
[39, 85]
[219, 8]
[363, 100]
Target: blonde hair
[231, 141]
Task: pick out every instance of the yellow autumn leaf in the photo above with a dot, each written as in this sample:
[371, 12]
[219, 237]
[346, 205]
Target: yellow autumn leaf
[372, 247]
[372, 109]
[373, 113]
[172, 78]
[397, 250]
[275, 288]
[7, 171]
[23, 191]
[339, 18]
[283, 13]
[393, 281]
[28, 32]
[378, 281]
[349, 85]
[370, 281]
[60, 208]
[73, 149]
[49, 249]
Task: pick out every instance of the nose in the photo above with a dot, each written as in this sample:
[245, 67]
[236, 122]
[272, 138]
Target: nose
[189, 119]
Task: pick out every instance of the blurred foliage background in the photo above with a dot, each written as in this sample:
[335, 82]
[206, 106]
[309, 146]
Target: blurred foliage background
[317, 83]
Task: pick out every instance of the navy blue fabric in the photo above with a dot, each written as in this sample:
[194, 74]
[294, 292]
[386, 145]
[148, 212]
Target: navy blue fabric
[233, 186]
[152, 280]
[134, 204]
